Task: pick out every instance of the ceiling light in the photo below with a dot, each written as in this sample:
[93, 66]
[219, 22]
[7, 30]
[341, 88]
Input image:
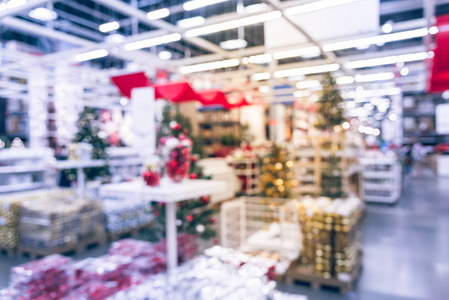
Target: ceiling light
[165, 55]
[430, 54]
[210, 66]
[234, 24]
[307, 84]
[233, 44]
[165, 39]
[195, 4]
[387, 27]
[11, 4]
[115, 38]
[433, 30]
[261, 76]
[405, 71]
[264, 89]
[345, 80]
[255, 8]
[158, 14]
[307, 70]
[393, 117]
[372, 93]
[191, 22]
[106, 27]
[385, 38]
[314, 51]
[123, 101]
[313, 6]
[374, 77]
[43, 14]
[92, 55]
[260, 59]
[388, 60]
[302, 94]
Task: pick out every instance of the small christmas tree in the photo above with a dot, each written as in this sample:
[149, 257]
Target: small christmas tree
[331, 179]
[277, 179]
[89, 132]
[330, 110]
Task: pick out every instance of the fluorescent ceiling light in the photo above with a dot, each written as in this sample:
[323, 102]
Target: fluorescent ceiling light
[433, 30]
[387, 27]
[307, 70]
[234, 24]
[300, 94]
[210, 66]
[308, 84]
[388, 60]
[380, 39]
[92, 55]
[43, 14]
[106, 27]
[261, 76]
[374, 77]
[158, 14]
[165, 55]
[255, 8]
[345, 80]
[260, 59]
[405, 71]
[195, 4]
[264, 89]
[316, 5]
[191, 22]
[165, 39]
[372, 93]
[115, 38]
[297, 52]
[233, 44]
[11, 4]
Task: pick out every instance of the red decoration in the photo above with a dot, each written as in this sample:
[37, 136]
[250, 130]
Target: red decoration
[189, 218]
[178, 165]
[439, 79]
[152, 178]
[126, 83]
[192, 176]
[205, 199]
[213, 220]
[176, 92]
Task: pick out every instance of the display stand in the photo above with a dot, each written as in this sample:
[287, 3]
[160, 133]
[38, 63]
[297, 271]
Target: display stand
[24, 169]
[381, 178]
[168, 193]
[312, 157]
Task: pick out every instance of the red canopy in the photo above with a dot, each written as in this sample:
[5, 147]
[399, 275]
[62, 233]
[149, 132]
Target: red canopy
[439, 80]
[213, 97]
[176, 92]
[126, 83]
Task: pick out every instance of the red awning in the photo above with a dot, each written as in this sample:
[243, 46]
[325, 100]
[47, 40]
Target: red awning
[213, 97]
[125, 83]
[176, 92]
[439, 79]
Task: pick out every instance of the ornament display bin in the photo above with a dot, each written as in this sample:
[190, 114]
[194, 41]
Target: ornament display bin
[381, 179]
[248, 172]
[262, 227]
[312, 160]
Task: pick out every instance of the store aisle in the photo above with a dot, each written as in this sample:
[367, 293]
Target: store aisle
[406, 248]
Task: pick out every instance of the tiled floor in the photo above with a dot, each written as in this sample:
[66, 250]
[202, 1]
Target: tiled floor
[406, 249]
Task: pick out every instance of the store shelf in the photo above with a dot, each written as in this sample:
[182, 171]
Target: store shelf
[74, 164]
[23, 169]
[21, 187]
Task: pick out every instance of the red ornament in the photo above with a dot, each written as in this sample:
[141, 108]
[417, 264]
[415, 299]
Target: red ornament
[151, 178]
[205, 199]
[156, 213]
[213, 220]
[163, 140]
[192, 158]
[177, 126]
[189, 218]
[182, 137]
[186, 132]
[193, 176]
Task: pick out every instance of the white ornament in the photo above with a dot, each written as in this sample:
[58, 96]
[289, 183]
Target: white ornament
[173, 124]
[186, 143]
[178, 222]
[200, 228]
[171, 143]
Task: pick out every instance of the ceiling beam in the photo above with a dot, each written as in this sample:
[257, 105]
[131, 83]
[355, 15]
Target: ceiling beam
[28, 5]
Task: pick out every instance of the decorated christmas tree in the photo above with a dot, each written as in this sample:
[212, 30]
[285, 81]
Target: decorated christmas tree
[89, 132]
[194, 216]
[330, 110]
[277, 179]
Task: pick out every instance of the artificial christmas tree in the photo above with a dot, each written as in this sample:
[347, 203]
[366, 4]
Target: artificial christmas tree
[277, 179]
[330, 110]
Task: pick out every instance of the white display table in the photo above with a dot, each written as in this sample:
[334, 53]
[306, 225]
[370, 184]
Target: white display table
[169, 193]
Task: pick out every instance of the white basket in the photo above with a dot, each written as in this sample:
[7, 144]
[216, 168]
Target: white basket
[252, 224]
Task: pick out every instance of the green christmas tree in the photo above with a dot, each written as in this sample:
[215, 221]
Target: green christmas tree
[330, 110]
[331, 179]
[277, 179]
[88, 132]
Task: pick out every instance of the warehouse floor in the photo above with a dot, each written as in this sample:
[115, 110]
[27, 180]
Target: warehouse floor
[406, 248]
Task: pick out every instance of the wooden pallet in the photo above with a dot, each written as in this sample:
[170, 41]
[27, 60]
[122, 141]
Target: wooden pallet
[132, 233]
[8, 251]
[305, 274]
[80, 246]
